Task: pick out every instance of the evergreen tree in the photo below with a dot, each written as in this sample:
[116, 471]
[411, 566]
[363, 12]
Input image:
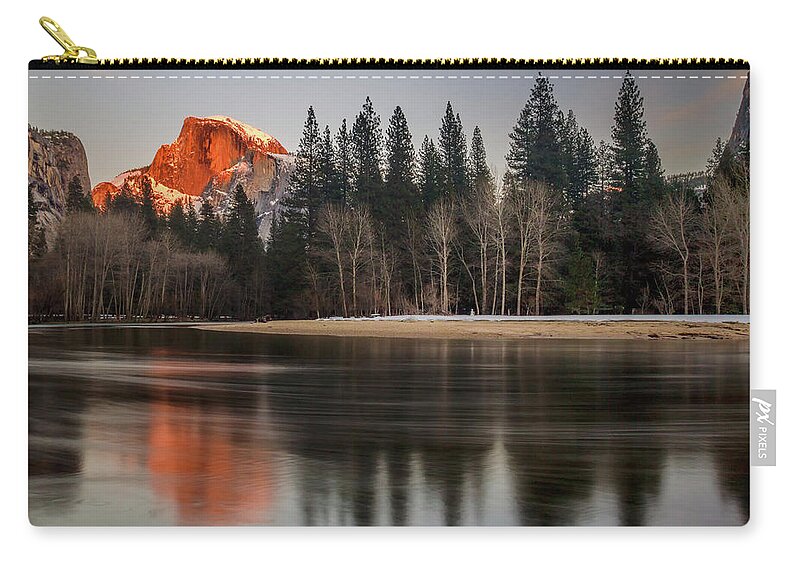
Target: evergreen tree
[584, 174]
[191, 226]
[629, 138]
[429, 170]
[33, 213]
[287, 273]
[148, 210]
[77, 201]
[208, 227]
[604, 166]
[345, 163]
[124, 202]
[240, 242]
[176, 222]
[400, 195]
[453, 154]
[294, 226]
[367, 156]
[653, 172]
[536, 150]
[568, 135]
[637, 171]
[716, 157]
[582, 286]
[304, 197]
[330, 182]
[37, 242]
[479, 172]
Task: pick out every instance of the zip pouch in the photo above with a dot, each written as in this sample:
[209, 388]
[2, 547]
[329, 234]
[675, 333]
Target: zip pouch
[382, 292]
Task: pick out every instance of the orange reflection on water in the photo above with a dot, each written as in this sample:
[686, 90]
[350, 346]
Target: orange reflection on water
[206, 460]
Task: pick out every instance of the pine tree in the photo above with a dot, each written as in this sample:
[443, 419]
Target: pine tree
[243, 250]
[304, 196]
[429, 173]
[568, 136]
[581, 285]
[37, 242]
[76, 200]
[148, 210]
[400, 195]
[191, 227]
[604, 166]
[479, 172]
[208, 228]
[536, 150]
[330, 182]
[286, 269]
[584, 173]
[240, 241]
[653, 172]
[629, 138]
[124, 202]
[176, 222]
[33, 213]
[294, 226]
[453, 154]
[637, 171]
[716, 157]
[367, 156]
[345, 163]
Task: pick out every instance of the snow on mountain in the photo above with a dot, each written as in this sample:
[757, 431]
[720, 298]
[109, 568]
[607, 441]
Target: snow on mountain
[208, 159]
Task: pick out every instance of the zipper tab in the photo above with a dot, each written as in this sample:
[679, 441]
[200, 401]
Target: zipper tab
[72, 52]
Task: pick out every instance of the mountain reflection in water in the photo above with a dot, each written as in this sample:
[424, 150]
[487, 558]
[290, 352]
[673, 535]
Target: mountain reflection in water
[171, 425]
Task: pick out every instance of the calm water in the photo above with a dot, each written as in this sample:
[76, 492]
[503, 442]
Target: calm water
[175, 426]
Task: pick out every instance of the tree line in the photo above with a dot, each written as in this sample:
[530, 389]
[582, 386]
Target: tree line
[371, 224]
[127, 261]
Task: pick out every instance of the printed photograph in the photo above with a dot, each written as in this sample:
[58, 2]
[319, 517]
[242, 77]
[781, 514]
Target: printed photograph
[399, 296]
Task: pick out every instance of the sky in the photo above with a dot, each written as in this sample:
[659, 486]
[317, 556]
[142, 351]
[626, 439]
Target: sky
[123, 116]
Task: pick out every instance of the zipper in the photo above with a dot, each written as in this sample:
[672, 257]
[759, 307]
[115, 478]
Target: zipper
[84, 57]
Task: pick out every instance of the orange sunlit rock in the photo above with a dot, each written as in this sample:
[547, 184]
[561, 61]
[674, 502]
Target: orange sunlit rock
[102, 192]
[208, 153]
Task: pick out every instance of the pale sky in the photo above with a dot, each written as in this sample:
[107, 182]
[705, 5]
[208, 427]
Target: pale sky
[123, 116]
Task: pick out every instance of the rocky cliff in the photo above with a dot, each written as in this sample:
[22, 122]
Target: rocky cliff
[54, 159]
[207, 160]
[740, 135]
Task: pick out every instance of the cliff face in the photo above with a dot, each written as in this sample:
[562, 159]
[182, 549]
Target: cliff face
[207, 147]
[55, 158]
[740, 135]
[208, 159]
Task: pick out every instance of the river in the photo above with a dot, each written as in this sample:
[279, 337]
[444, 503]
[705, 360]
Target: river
[170, 425]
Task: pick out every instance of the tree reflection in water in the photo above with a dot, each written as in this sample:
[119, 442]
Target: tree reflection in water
[251, 429]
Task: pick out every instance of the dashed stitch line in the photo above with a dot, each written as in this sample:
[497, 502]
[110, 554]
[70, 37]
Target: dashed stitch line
[391, 77]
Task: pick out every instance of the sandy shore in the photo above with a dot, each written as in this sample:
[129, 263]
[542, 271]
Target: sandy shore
[654, 330]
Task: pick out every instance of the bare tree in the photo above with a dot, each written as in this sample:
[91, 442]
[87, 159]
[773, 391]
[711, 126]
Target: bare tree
[357, 244]
[713, 243]
[478, 211]
[735, 201]
[500, 231]
[334, 225]
[387, 260]
[441, 225]
[414, 244]
[535, 212]
[674, 221]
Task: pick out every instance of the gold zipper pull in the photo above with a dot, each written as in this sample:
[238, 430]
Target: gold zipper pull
[72, 52]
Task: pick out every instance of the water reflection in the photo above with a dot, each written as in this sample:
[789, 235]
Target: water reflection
[178, 426]
[212, 469]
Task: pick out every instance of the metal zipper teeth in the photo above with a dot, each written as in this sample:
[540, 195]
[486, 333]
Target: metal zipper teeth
[386, 63]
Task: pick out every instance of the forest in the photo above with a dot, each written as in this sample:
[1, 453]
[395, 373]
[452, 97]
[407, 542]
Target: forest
[372, 225]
